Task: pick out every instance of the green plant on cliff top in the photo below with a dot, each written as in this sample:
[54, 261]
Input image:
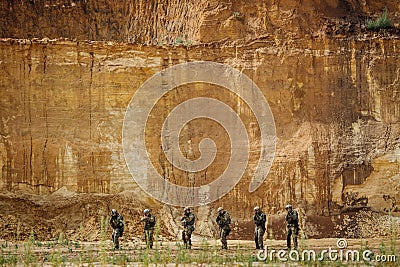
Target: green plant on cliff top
[382, 22]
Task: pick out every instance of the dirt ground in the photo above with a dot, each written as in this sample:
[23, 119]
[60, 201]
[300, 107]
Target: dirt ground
[203, 252]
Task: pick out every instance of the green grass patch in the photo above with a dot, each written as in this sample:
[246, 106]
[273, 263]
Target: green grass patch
[382, 22]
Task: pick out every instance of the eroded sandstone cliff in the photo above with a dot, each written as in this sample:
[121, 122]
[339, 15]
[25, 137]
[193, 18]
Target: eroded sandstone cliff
[333, 89]
[161, 22]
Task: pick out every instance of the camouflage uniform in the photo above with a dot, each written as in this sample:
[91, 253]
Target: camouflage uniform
[149, 223]
[117, 223]
[292, 219]
[188, 228]
[259, 220]
[224, 220]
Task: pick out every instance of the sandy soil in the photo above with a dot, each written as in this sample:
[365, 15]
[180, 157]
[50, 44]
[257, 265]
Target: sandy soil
[206, 251]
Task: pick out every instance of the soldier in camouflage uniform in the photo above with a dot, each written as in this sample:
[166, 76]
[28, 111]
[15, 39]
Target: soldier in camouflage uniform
[292, 219]
[149, 223]
[117, 224]
[259, 220]
[187, 220]
[223, 220]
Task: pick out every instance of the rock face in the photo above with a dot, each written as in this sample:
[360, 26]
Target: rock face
[162, 22]
[335, 102]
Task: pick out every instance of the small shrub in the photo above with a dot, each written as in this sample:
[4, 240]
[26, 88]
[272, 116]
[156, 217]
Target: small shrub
[179, 40]
[382, 22]
[237, 15]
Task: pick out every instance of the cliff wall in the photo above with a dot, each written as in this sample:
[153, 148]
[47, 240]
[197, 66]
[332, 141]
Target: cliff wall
[334, 97]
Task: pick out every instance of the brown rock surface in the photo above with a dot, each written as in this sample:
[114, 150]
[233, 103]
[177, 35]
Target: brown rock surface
[161, 22]
[335, 102]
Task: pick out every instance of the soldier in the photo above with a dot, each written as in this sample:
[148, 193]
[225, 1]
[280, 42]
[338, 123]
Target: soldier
[117, 224]
[223, 220]
[259, 220]
[292, 219]
[187, 220]
[149, 223]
